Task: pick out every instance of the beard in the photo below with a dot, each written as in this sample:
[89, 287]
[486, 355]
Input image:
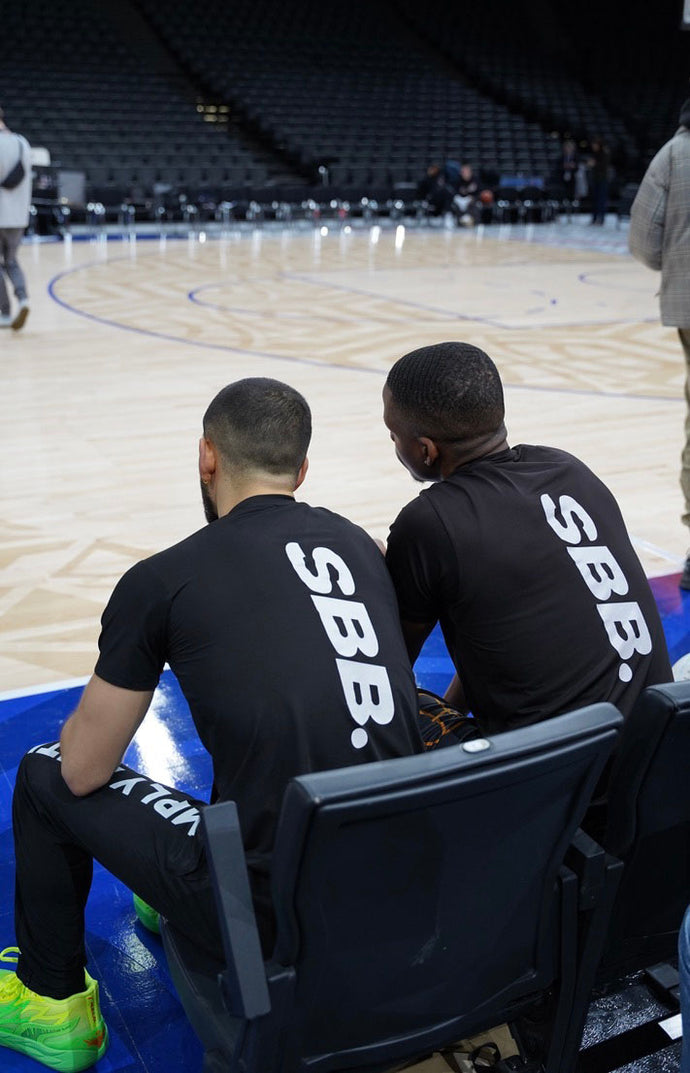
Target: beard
[210, 512]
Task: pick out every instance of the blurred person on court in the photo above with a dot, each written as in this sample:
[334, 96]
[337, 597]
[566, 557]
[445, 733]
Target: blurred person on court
[599, 166]
[15, 202]
[280, 623]
[466, 195]
[564, 170]
[434, 189]
[521, 554]
[660, 238]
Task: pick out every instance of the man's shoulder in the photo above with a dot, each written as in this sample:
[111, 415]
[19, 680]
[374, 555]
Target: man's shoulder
[535, 452]
[159, 561]
[558, 464]
[249, 533]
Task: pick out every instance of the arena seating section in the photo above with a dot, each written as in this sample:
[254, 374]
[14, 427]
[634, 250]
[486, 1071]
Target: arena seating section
[258, 99]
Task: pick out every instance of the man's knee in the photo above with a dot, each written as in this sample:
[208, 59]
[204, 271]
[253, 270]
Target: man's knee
[39, 773]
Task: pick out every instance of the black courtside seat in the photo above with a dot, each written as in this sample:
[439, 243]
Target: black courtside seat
[418, 901]
[649, 830]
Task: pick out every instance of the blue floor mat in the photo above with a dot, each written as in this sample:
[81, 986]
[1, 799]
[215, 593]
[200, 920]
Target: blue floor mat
[148, 1029]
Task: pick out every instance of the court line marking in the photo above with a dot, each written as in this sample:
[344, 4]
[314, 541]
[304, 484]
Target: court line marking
[505, 325]
[677, 560]
[223, 347]
[293, 359]
[46, 687]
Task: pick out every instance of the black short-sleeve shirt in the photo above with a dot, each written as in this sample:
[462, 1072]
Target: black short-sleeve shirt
[281, 624]
[525, 560]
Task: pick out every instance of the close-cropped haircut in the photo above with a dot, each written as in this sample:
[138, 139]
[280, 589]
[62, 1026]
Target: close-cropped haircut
[449, 391]
[260, 424]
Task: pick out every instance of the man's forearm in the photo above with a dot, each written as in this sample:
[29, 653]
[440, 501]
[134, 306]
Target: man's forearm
[455, 695]
[83, 771]
[95, 736]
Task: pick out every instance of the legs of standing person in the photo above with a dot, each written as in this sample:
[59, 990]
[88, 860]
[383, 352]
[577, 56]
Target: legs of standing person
[600, 197]
[10, 241]
[5, 318]
[684, 973]
[684, 335]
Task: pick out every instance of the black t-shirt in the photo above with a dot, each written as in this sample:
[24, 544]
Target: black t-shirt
[525, 560]
[281, 625]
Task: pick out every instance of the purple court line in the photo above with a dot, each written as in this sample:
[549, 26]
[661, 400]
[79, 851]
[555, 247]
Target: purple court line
[387, 298]
[460, 316]
[296, 360]
[583, 277]
[187, 342]
[192, 296]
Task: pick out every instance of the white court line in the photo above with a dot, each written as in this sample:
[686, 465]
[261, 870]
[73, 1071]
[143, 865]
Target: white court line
[677, 560]
[49, 687]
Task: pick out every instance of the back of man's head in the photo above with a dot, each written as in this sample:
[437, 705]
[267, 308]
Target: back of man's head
[684, 117]
[448, 391]
[259, 426]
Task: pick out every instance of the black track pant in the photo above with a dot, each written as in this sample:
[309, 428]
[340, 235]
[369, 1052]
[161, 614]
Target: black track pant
[145, 833]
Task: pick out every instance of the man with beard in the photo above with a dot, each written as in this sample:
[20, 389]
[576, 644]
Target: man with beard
[280, 623]
[520, 553]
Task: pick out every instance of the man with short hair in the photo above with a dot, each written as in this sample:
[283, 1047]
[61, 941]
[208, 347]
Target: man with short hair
[15, 202]
[281, 625]
[659, 237]
[521, 554]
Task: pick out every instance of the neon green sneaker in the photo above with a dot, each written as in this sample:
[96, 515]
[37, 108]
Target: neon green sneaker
[148, 916]
[65, 1034]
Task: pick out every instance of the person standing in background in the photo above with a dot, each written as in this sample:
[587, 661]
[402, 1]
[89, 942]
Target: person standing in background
[599, 163]
[660, 239]
[15, 202]
[565, 168]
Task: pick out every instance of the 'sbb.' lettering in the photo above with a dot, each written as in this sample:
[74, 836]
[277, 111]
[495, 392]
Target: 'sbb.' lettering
[348, 626]
[624, 623]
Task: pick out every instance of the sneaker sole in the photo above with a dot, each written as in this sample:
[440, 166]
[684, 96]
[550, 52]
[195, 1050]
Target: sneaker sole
[63, 1061]
[20, 320]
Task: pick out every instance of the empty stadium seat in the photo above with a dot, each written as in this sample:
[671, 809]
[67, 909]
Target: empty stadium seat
[649, 830]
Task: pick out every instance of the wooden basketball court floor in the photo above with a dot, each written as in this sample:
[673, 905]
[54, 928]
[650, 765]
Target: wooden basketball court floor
[100, 412]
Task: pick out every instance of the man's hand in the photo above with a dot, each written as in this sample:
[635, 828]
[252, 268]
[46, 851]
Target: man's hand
[455, 695]
[95, 736]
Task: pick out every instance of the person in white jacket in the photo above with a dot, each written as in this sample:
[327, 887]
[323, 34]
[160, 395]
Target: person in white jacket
[15, 202]
[660, 239]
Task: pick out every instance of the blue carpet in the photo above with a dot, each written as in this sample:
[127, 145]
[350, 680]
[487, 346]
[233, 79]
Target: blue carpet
[148, 1030]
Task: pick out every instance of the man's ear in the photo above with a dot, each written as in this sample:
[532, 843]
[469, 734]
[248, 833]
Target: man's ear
[301, 473]
[207, 460]
[430, 451]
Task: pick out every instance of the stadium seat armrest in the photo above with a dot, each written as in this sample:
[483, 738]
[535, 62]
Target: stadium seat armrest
[244, 980]
[588, 861]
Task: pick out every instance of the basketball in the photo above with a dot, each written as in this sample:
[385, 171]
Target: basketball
[486, 197]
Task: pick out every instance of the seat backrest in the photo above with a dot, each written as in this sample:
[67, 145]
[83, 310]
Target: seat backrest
[415, 898]
[649, 828]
